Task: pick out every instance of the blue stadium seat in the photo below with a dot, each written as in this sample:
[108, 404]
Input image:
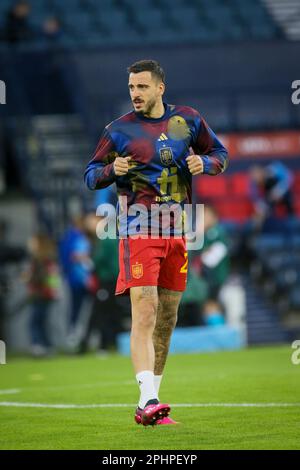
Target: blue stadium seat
[78, 22]
[171, 5]
[268, 243]
[142, 5]
[114, 20]
[69, 6]
[152, 21]
[101, 5]
[186, 18]
[221, 18]
[179, 21]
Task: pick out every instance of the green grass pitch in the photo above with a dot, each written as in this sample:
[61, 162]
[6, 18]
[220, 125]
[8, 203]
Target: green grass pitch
[257, 376]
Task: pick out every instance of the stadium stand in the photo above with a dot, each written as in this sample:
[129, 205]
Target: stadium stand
[55, 146]
[286, 13]
[276, 267]
[124, 22]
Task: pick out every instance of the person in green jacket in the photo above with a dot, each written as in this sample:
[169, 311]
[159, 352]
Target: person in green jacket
[209, 269]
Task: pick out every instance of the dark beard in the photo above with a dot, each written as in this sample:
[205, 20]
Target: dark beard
[148, 110]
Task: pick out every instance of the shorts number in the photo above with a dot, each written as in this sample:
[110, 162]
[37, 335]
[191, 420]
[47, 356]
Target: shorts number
[183, 269]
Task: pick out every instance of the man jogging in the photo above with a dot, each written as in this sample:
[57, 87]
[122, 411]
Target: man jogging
[147, 153]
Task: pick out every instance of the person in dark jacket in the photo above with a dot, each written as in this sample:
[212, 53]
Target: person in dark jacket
[43, 289]
[8, 255]
[271, 190]
[17, 26]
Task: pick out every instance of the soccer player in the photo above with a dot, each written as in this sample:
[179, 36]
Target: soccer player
[147, 154]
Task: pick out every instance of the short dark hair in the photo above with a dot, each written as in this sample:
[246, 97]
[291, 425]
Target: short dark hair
[148, 66]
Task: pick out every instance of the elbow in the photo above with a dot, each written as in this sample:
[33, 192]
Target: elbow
[224, 161]
[217, 164]
[89, 180]
[97, 178]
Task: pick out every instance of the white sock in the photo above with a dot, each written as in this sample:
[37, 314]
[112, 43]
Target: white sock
[157, 382]
[145, 379]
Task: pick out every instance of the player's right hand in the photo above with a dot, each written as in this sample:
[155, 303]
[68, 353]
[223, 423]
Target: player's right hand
[121, 166]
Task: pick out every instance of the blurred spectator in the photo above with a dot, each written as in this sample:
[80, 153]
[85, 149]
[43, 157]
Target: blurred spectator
[193, 298]
[75, 257]
[270, 189]
[212, 313]
[8, 254]
[17, 27]
[214, 254]
[52, 30]
[43, 288]
[106, 315]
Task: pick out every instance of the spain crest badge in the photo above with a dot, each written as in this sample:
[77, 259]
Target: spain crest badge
[137, 270]
[166, 155]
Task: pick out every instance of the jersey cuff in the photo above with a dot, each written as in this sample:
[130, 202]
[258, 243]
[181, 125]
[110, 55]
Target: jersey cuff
[206, 164]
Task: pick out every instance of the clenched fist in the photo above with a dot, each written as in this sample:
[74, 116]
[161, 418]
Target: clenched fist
[121, 166]
[195, 164]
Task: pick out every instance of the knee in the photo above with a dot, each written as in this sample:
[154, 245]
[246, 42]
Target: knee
[145, 316]
[168, 320]
[171, 319]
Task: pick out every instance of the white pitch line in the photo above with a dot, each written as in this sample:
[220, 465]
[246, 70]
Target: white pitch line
[72, 386]
[79, 386]
[127, 405]
[63, 406]
[237, 405]
[10, 391]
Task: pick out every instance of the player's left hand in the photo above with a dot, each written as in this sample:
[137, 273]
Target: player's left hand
[195, 164]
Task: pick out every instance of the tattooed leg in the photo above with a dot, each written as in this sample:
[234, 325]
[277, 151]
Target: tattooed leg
[168, 302]
[144, 302]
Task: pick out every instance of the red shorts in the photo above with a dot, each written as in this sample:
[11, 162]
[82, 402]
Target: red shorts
[149, 262]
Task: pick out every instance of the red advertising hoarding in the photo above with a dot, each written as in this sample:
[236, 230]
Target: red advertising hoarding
[262, 144]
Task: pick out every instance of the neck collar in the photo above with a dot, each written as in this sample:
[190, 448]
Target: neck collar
[151, 119]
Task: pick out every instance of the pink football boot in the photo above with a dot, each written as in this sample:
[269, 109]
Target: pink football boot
[151, 413]
[138, 415]
[166, 420]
